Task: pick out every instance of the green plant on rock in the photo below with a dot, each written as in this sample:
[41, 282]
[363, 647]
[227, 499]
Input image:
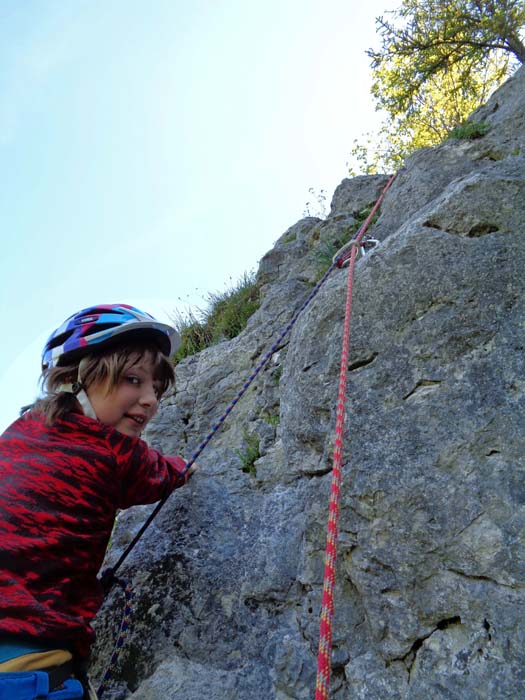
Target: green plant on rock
[272, 419]
[469, 130]
[290, 237]
[324, 254]
[195, 334]
[249, 453]
[278, 374]
[226, 316]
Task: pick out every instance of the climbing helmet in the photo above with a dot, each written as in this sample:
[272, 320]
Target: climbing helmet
[99, 326]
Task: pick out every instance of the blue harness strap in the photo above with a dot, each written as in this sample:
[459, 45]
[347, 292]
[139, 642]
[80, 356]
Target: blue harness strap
[34, 685]
[24, 686]
[72, 690]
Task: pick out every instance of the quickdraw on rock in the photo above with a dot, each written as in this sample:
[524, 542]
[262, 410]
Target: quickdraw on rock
[347, 254]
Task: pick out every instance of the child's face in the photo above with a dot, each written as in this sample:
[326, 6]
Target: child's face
[131, 404]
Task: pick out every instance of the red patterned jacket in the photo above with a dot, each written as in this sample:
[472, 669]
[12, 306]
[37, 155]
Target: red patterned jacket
[60, 488]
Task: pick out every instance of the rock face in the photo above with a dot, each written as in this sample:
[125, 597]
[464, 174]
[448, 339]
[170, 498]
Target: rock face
[430, 599]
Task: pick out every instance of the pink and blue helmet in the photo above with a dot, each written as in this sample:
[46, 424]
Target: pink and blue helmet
[98, 326]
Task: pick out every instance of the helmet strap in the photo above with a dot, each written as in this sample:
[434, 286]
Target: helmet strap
[78, 390]
[84, 401]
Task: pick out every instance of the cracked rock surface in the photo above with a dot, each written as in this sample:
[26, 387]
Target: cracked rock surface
[430, 595]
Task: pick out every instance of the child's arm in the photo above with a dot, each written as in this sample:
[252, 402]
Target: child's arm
[147, 475]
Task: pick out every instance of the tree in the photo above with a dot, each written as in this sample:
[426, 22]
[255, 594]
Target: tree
[438, 62]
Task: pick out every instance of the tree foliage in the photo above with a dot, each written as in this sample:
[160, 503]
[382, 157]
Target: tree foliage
[439, 60]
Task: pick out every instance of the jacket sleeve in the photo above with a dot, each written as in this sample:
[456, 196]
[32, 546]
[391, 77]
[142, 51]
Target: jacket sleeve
[146, 475]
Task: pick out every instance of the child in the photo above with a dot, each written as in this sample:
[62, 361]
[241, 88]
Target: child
[66, 466]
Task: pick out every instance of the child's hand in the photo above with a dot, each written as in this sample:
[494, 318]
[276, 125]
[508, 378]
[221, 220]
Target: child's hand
[191, 471]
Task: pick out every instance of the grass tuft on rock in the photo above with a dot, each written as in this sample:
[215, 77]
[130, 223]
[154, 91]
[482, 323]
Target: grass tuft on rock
[469, 130]
[224, 318]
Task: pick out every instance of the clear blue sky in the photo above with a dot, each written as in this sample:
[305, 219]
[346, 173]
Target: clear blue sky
[153, 150]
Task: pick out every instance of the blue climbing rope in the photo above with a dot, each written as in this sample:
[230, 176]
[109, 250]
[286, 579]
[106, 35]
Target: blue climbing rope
[108, 577]
[226, 413]
[121, 636]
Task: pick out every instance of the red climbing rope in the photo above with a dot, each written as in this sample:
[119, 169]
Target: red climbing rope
[322, 686]
[325, 644]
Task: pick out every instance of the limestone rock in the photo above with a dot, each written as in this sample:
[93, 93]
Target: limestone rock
[430, 591]
[357, 193]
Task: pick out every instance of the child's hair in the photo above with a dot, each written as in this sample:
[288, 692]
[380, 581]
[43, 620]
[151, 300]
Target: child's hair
[104, 366]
